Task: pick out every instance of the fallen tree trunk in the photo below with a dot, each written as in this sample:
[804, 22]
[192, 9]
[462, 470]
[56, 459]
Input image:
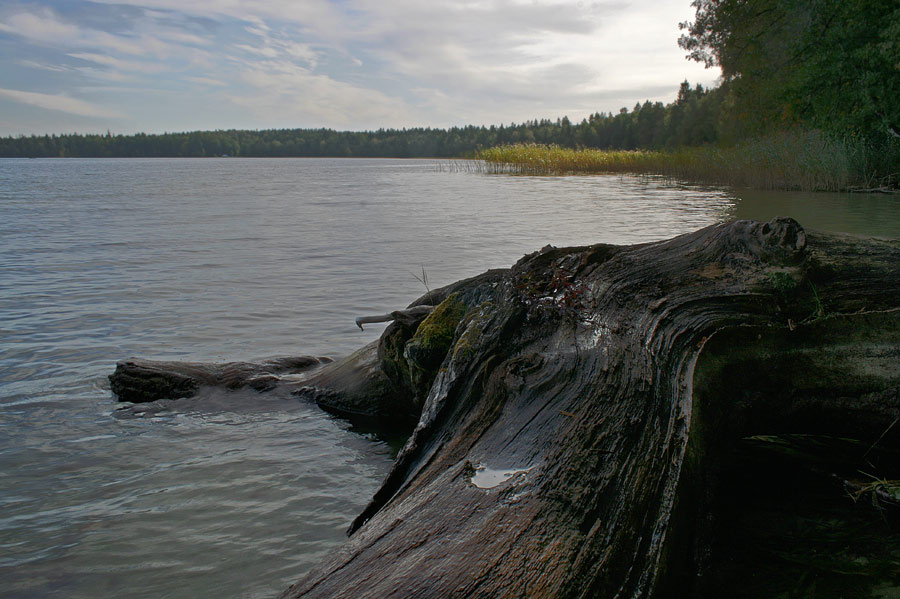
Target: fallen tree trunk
[139, 381]
[571, 421]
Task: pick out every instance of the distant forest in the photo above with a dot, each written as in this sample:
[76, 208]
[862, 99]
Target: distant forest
[692, 119]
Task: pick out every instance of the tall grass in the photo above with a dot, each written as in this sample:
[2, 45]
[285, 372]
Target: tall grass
[796, 160]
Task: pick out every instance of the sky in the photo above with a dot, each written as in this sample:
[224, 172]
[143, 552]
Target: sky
[129, 66]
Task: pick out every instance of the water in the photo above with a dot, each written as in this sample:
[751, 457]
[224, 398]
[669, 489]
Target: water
[237, 495]
[861, 214]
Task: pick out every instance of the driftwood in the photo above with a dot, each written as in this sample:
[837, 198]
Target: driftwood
[140, 381]
[571, 411]
[410, 317]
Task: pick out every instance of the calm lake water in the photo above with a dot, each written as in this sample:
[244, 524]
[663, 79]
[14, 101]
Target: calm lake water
[237, 495]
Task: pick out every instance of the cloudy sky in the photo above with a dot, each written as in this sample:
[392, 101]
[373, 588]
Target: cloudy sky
[177, 65]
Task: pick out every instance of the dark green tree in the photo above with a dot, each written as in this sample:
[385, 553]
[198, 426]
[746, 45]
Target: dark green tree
[828, 64]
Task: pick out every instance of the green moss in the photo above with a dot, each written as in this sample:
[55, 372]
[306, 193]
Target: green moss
[431, 342]
[474, 329]
[782, 282]
[393, 362]
[435, 333]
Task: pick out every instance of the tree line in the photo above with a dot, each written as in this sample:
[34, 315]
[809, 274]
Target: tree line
[689, 120]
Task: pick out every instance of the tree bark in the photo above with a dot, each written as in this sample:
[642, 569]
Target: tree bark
[568, 431]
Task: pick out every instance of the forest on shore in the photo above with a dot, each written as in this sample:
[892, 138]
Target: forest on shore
[690, 120]
[825, 72]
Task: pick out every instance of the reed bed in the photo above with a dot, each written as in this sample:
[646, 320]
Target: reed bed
[462, 166]
[805, 161]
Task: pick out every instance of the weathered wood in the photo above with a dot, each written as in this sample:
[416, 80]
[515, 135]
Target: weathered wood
[138, 380]
[572, 410]
[564, 446]
[409, 317]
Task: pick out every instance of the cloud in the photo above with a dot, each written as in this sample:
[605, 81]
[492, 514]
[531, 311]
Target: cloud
[511, 48]
[59, 103]
[141, 37]
[265, 51]
[33, 64]
[206, 81]
[321, 14]
[45, 27]
[282, 91]
[359, 63]
[182, 37]
[133, 66]
[270, 44]
[507, 60]
[41, 26]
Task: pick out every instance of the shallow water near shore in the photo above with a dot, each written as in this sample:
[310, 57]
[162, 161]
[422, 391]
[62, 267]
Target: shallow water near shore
[237, 495]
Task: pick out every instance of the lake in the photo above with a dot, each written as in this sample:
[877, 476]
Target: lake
[237, 495]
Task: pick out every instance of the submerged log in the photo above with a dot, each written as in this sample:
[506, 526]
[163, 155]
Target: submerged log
[137, 380]
[572, 411]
